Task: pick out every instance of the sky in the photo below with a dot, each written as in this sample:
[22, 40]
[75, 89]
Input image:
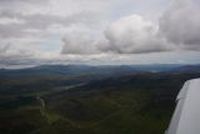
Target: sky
[35, 32]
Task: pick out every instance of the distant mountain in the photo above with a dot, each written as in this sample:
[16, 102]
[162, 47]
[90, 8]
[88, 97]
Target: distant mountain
[103, 70]
[68, 70]
[187, 68]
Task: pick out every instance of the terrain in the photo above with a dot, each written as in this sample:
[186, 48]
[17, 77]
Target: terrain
[81, 99]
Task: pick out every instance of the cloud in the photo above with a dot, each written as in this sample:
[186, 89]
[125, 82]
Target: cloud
[178, 29]
[180, 24]
[28, 28]
[82, 40]
[84, 30]
[5, 21]
[134, 34]
[48, 18]
[128, 35]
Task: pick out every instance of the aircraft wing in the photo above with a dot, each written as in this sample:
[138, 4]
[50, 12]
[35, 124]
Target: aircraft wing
[186, 118]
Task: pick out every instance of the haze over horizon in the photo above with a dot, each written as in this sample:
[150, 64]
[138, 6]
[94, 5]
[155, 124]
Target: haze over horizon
[98, 32]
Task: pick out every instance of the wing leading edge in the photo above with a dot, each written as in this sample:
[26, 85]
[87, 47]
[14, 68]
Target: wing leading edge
[186, 118]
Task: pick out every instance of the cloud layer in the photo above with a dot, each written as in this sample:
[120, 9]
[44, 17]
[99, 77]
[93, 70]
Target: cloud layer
[180, 24]
[49, 30]
[178, 28]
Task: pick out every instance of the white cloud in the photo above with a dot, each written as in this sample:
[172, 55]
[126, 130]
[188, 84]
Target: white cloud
[134, 34]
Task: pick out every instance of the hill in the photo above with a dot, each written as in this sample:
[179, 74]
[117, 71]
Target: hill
[79, 99]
